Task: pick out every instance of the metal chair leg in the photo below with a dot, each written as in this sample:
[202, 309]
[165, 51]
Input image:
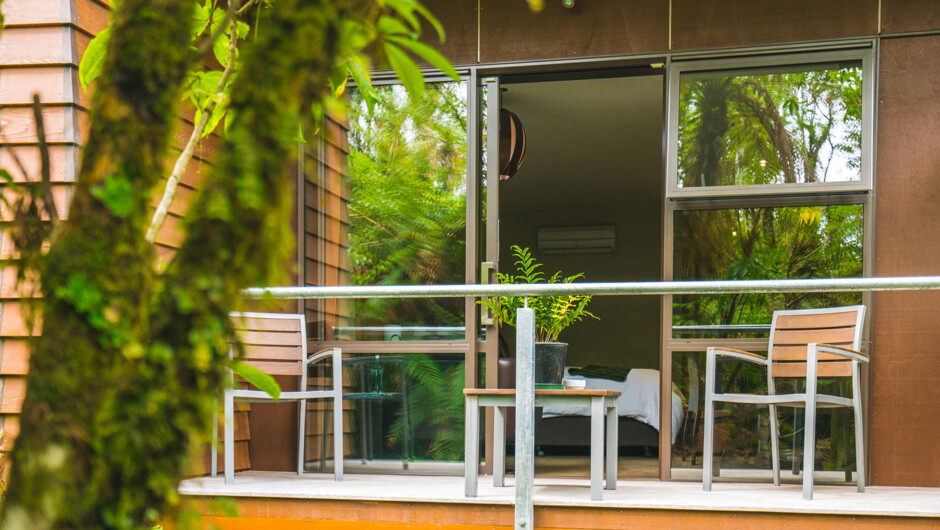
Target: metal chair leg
[809, 431]
[229, 437]
[338, 452]
[774, 444]
[709, 435]
[302, 428]
[860, 475]
[214, 464]
[407, 427]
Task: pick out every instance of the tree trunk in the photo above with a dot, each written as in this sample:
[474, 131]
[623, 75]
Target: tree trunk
[126, 375]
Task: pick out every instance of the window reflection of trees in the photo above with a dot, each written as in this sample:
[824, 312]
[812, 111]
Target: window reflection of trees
[764, 243]
[770, 128]
[407, 196]
[406, 210]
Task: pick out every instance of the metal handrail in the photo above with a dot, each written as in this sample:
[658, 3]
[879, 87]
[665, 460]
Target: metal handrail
[909, 283]
[722, 328]
[525, 334]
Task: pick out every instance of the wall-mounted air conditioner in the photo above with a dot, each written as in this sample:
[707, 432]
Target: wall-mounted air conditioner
[577, 239]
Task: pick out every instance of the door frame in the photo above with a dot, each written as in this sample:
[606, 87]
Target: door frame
[490, 77]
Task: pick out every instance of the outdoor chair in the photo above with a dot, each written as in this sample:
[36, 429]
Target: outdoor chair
[276, 344]
[808, 344]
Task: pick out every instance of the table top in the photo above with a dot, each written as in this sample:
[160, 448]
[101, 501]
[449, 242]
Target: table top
[539, 392]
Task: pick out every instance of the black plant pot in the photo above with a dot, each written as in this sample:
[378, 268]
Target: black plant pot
[550, 362]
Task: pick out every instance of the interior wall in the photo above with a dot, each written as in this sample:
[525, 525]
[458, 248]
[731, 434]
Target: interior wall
[593, 157]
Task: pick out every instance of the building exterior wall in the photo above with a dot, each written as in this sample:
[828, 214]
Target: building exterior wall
[906, 227]
[43, 41]
[907, 243]
[39, 52]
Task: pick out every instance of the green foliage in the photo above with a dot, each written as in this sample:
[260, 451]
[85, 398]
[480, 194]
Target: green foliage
[407, 199]
[117, 194]
[553, 314]
[765, 243]
[758, 128]
[778, 128]
[435, 408]
[259, 379]
[396, 33]
[92, 63]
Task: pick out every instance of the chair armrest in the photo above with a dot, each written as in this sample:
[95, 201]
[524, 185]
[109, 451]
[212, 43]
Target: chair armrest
[739, 354]
[848, 353]
[323, 354]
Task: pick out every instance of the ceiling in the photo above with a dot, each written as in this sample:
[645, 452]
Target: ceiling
[591, 143]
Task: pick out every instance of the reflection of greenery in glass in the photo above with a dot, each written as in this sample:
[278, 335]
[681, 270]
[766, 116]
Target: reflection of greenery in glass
[764, 243]
[789, 125]
[407, 195]
[435, 407]
[743, 431]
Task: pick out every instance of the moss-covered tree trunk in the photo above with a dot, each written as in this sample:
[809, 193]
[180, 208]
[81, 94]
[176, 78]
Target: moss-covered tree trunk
[125, 377]
[81, 458]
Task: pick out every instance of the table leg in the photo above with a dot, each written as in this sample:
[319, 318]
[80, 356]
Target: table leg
[597, 446]
[612, 444]
[499, 449]
[471, 446]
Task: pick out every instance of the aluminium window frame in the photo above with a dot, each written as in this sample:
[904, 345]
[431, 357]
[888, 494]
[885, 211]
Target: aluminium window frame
[680, 66]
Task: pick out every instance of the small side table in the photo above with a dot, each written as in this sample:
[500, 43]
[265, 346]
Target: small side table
[601, 403]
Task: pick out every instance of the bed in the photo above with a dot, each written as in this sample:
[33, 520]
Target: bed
[570, 426]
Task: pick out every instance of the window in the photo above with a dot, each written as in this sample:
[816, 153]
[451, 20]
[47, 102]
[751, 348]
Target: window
[398, 214]
[791, 124]
[768, 177]
[792, 242]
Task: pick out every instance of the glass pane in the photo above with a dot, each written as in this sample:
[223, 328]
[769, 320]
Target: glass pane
[761, 243]
[742, 432]
[402, 215]
[798, 124]
[401, 412]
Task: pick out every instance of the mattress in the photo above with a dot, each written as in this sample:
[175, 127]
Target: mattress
[639, 398]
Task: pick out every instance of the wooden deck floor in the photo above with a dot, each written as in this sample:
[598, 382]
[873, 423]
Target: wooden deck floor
[417, 502]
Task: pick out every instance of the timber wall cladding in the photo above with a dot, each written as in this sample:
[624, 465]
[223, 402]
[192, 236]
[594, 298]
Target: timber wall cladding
[39, 51]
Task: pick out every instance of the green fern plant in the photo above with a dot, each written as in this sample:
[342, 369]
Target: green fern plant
[552, 313]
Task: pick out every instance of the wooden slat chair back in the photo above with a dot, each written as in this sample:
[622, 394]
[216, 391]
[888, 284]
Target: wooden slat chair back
[276, 344]
[809, 344]
[792, 331]
[273, 345]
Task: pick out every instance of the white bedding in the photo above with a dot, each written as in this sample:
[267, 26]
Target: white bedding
[639, 398]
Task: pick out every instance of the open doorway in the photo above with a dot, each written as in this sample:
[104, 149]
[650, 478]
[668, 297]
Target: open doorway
[593, 162]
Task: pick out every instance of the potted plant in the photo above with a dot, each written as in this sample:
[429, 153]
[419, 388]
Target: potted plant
[553, 314]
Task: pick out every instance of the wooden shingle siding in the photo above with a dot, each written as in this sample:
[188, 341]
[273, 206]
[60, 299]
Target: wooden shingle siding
[14, 357]
[38, 55]
[62, 161]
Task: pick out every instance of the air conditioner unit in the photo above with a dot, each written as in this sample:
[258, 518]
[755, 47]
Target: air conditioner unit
[577, 239]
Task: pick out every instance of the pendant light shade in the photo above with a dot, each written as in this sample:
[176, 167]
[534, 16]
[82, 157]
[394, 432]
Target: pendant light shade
[511, 144]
